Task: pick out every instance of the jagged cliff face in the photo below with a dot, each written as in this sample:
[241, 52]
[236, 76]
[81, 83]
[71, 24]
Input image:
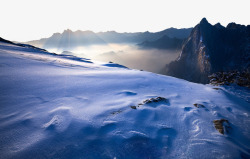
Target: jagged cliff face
[212, 49]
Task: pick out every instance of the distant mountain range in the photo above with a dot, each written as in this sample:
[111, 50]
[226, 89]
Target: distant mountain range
[164, 42]
[69, 39]
[204, 50]
[210, 49]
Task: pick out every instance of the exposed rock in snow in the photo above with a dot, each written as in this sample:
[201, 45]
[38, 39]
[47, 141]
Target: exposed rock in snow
[155, 100]
[221, 125]
[152, 102]
[199, 105]
[226, 78]
[133, 107]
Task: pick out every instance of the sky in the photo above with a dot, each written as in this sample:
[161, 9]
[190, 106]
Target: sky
[24, 20]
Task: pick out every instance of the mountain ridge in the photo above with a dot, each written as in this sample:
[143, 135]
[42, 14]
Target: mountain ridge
[165, 42]
[210, 49]
[68, 38]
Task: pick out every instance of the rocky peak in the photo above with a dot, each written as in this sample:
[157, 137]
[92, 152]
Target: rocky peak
[67, 31]
[203, 21]
[235, 26]
[219, 26]
[212, 49]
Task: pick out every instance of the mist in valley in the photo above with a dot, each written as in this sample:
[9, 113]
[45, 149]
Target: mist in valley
[129, 55]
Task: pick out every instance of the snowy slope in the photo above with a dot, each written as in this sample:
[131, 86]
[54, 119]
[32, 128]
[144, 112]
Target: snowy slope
[66, 107]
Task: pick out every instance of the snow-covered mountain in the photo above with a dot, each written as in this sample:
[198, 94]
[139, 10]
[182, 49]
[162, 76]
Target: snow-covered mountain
[61, 106]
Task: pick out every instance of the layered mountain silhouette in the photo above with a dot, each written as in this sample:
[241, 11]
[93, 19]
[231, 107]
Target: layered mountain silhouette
[204, 50]
[164, 42]
[210, 49]
[69, 39]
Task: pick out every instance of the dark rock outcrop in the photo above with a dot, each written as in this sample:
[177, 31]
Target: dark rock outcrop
[154, 100]
[221, 125]
[226, 78]
[199, 105]
[151, 101]
[210, 49]
[133, 107]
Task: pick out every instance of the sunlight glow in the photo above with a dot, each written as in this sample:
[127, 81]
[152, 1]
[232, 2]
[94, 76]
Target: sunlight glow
[29, 20]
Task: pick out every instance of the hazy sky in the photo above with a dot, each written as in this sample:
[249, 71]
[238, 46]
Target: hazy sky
[23, 20]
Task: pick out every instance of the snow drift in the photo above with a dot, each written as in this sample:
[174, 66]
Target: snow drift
[64, 107]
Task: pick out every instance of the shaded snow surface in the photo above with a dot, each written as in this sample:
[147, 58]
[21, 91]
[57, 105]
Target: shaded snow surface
[57, 107]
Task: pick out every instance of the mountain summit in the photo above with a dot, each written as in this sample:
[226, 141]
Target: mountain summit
[210, 49]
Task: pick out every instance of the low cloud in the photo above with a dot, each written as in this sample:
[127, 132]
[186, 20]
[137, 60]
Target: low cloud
[153, 60]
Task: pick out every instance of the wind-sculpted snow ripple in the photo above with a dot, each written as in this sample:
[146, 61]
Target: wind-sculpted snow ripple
[48, 111]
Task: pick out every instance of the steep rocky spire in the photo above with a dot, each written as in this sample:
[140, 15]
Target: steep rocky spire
[204, 21]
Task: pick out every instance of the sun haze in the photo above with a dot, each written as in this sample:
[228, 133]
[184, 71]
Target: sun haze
[28, 19]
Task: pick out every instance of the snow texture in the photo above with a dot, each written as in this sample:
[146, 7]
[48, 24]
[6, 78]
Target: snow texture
[55, 106]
